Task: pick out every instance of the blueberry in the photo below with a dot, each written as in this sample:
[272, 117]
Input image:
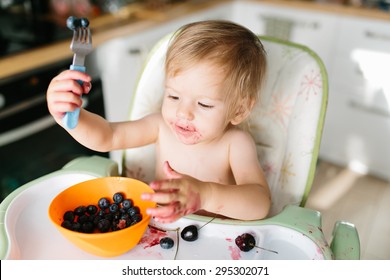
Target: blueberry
[76, 226]
[92, 209]
[87, 227]
[136, 218]
[109, 216]
[67, 224]
[166, 243]
[79, 211]
[189, 233]
[84, 22]
[104, 225]
[82, 219]
[133, 211]
[245, 242]
[127, 203]
[103, 203]
[114, 208]
[118, 198]
[70, 23]
[77, 23]
[69, 216]
[101, 213]
[96, 219]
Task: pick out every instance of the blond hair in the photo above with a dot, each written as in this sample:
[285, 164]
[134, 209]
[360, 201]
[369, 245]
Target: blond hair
[234, 49]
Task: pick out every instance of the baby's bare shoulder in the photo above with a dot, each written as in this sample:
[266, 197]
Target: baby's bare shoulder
[237, 135]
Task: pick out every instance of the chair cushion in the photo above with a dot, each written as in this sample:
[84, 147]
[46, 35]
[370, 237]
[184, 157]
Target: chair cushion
[286, 124]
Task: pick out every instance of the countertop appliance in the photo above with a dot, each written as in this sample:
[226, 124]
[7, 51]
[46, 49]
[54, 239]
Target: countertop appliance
[25, 25]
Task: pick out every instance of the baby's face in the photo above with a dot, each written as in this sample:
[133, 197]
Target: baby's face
[193, 105]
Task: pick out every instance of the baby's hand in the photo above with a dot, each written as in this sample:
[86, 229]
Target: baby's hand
[177, 196]
[63, 93]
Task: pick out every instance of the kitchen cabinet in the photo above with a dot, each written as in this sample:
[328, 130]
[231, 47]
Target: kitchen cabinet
[356, 54]
[314, 29]
[357, 127]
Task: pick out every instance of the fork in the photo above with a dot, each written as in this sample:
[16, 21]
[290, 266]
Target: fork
[81, 46]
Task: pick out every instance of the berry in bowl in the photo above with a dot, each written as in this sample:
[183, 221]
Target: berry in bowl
[104, 216]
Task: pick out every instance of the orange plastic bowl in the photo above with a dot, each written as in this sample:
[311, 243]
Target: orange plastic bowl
[109, 244]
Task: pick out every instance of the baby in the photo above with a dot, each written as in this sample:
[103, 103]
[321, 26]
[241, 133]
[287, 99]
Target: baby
[205, 163]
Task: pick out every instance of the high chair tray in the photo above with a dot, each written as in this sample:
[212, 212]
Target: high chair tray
[30, 235]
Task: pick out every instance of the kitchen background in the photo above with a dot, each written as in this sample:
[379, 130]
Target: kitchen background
[351, 36]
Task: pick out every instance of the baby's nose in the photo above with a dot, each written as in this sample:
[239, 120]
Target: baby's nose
[185, 111]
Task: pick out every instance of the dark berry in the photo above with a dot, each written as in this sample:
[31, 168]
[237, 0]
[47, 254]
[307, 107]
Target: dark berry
[109, 216]
[77, 23]
[84, 22]
[67, 224]
[87, 227]
[118, 198]
[127, 203]
[136, 218]
[101, 213]
[133, 211]
[92, 209]
[245, 242]
[69, 216]
[83, 219]
[103, 217]
[166, 243]
[104, 225]
[117, 216]
[70, 22]
[103, 203]
[114, 208]
[189, 233]
[76, 226]
[79, 211]
[96, 219]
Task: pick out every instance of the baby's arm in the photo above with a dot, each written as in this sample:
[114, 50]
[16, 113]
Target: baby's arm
[93, 131]
[250, 198]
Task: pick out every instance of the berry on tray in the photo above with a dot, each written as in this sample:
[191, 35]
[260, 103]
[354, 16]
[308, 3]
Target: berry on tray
[245, 242]
[189, 233]
[166, 243]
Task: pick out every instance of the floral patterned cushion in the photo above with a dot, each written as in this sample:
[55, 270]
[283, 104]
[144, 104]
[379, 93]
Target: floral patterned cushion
[286, 124]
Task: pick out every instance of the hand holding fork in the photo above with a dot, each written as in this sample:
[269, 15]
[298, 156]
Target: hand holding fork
[81, 46]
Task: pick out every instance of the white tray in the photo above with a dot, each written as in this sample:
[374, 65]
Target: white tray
[32, 236]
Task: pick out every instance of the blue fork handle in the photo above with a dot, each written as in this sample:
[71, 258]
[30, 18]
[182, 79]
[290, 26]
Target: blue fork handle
[71, 119]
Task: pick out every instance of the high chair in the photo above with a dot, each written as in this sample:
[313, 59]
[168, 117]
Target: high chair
[286, 125]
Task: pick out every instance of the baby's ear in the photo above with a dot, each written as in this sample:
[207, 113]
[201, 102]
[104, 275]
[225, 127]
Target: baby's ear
[242, 112]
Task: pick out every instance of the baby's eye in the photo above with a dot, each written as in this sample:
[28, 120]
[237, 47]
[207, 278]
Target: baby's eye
[173, 97]
[205, 105]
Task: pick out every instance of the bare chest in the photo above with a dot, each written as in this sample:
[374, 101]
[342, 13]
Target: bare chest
[203, 162]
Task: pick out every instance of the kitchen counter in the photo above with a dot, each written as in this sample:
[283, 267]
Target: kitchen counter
[136, 17]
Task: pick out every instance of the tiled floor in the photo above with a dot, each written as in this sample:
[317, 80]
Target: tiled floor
[341, 194]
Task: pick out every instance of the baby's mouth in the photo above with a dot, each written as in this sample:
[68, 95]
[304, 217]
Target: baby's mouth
[187, 133]
[185, 129]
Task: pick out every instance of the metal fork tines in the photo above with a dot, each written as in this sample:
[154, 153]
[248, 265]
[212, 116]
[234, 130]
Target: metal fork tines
[81, 45]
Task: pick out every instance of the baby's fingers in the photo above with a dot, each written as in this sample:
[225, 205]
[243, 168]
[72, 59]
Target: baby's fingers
[160, 197]
[165, 214]
[73, 75]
